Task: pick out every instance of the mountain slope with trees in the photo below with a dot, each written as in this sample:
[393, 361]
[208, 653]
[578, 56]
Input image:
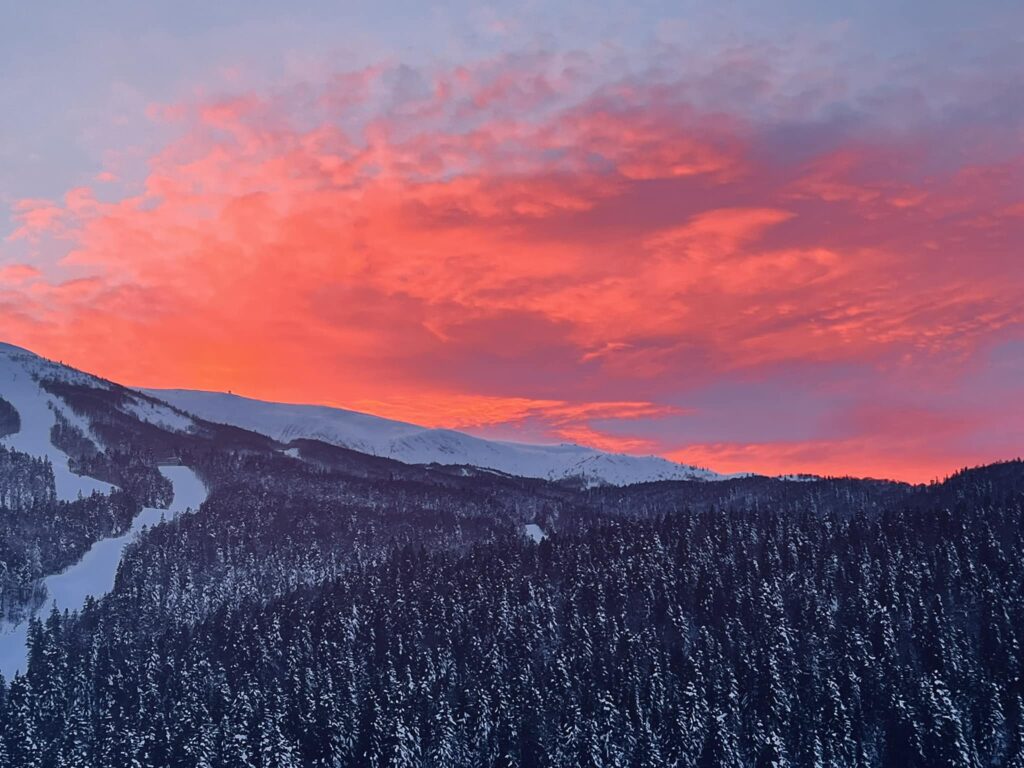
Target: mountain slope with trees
[325, 607]
[296, 626]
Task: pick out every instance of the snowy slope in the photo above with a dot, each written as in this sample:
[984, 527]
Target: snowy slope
[157, 414]
[419, 445]
[19, 371]
[94, 574]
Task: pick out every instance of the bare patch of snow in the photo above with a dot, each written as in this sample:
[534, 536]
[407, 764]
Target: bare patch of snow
[535, 532]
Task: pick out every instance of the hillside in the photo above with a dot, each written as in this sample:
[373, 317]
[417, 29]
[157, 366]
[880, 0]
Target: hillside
[413, 444]
[229, 598]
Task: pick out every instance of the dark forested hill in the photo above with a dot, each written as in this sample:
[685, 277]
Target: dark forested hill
[342, 610]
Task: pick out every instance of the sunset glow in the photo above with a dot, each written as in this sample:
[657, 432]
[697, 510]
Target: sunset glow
[768, 254]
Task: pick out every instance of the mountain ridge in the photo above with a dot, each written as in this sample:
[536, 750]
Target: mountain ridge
[286, 422]
[414, 444]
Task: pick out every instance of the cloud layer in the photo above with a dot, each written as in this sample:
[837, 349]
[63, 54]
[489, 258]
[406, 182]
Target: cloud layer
[729, 264]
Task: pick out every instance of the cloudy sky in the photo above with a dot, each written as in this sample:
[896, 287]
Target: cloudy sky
[774, 237]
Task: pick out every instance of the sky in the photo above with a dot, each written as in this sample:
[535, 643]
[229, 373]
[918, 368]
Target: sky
[774, 239]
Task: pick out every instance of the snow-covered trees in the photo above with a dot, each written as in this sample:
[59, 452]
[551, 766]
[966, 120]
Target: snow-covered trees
[318, 615]
[41, 535]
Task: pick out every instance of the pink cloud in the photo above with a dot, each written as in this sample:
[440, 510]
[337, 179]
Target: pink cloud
[35, 218]
[18, 273]
[530, 246]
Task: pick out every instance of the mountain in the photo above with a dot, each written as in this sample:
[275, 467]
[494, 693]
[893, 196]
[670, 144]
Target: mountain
[84, 466]
[215, 596]
[20, 371]
[414, 444]
[37, 411]
[69, 506]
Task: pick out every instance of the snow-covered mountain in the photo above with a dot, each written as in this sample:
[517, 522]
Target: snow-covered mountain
[20, 372]
[414, 444]
[28, 413]
[21, 375]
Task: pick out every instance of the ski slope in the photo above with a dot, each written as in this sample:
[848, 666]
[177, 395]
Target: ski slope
[94, 574]
[414, 444]
[19, 371]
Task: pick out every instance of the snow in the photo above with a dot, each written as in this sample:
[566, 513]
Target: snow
[358, 431]
[19, 371]
[414, 444]
[158, 414]
[94, 574]
[535, 532]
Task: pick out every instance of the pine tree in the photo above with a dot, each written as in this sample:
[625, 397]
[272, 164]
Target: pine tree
[946, 742]
[74, 745]
[446, 748]
[276, 749]
[23, 745]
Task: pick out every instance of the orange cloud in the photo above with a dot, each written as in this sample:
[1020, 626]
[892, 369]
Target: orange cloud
[912, 461]
[506, 247]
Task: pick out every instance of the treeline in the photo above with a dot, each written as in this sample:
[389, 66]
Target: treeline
[740, 635]
[134, 471]
[41, 535]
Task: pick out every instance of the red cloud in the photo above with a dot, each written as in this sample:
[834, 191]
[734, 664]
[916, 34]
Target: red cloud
[503, 246]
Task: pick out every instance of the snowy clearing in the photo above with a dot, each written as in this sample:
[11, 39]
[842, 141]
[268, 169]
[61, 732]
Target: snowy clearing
[535, 532]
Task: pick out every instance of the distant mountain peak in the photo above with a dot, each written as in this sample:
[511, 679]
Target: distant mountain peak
[414, 444]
